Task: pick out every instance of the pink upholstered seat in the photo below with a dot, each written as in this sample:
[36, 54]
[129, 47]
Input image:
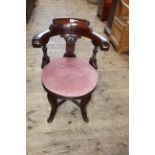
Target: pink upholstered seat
[69, 77]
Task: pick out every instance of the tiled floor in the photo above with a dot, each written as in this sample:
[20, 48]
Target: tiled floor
[107, 131]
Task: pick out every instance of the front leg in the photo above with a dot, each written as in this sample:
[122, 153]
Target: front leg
[84, 101]
[54, 106]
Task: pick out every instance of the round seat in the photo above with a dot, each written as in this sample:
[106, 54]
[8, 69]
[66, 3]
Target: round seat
[69, 77]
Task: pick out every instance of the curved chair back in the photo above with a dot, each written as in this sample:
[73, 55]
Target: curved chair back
[70, 29]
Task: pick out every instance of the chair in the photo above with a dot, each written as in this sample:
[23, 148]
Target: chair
[69, 78]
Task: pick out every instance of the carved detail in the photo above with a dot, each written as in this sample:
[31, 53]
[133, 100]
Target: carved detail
[45, 58]
[70, 44]
[92, 60]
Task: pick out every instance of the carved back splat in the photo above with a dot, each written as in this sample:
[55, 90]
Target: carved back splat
[70, 44]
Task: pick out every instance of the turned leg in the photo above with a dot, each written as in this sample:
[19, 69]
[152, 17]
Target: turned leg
[84, 101]
[53, 102]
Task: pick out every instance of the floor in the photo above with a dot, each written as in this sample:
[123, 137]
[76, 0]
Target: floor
[107, 131]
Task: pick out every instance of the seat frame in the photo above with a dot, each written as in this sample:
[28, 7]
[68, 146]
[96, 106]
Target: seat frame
[70, 29]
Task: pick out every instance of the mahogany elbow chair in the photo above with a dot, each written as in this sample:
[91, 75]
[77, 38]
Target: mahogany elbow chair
[69, 78]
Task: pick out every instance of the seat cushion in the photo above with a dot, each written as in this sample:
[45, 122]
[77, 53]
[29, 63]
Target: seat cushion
[69, 77]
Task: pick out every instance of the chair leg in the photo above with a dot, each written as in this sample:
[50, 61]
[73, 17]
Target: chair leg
[54, 106]
[84, 101]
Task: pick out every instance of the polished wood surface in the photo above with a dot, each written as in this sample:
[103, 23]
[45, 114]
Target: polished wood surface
[70, 29]
[63, 26]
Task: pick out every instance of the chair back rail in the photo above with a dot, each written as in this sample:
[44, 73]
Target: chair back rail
[70, 29]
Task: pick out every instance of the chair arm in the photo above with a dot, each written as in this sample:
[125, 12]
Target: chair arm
[41, 38]
[100, 41]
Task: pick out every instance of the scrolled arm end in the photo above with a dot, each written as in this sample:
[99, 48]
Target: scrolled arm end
[100, 41]
[105, 46]
[36, 43]
[41, 39]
